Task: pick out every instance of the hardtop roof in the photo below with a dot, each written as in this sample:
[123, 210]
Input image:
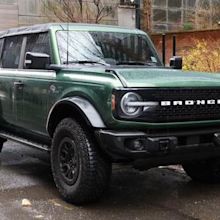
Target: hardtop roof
[64, 26]
[26, 30]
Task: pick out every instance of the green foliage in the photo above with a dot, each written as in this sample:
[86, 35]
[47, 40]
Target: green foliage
[188, 26]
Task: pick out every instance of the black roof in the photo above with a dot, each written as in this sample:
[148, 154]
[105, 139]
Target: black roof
[26, 30]
[38, 28]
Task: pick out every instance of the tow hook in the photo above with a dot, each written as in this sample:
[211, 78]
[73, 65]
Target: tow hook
[163, 145]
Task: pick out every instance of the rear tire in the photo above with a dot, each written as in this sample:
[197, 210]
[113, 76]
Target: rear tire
[2, 141]
[80, 172]
[207, 171]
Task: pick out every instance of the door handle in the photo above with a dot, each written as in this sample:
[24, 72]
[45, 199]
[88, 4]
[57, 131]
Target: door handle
[18, 84]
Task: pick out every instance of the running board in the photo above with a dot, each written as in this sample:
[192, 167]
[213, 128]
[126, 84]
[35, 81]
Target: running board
[24, 141]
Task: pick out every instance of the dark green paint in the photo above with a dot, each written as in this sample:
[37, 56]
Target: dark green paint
[27, 108]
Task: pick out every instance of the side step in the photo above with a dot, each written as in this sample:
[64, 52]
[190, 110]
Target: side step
[24, 141]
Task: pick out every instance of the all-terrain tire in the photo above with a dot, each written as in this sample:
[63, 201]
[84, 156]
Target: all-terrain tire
[81, 173]
[2, 141]
[207, 171]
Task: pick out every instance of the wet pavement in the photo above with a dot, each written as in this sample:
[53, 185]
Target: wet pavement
[160, 193]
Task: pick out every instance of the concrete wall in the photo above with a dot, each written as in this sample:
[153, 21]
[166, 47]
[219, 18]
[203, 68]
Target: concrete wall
[8, 15]
[30, 12]
[126, 16]
[15, 13]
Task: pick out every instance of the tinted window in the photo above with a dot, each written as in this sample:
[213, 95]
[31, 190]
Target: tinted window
[11, 53]
[38, 43]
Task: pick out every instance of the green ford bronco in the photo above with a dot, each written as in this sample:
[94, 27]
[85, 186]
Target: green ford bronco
[93, 95]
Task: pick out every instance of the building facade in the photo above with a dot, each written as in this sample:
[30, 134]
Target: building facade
[165, 15]
[173, 15]
[15, 13]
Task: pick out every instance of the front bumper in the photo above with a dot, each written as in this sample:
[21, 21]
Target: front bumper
[155, 150]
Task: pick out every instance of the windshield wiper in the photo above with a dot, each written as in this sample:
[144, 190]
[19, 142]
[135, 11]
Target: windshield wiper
[85, 62]
[133, 63]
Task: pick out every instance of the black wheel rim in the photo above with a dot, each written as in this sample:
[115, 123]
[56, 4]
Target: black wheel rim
[68, 160]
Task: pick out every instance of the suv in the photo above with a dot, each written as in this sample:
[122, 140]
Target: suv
[92, 95]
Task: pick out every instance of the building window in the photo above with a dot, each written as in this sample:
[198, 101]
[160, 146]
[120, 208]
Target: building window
[175, 15]
[175, 4]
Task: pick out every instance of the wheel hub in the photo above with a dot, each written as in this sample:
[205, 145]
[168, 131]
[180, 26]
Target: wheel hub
[68, 160]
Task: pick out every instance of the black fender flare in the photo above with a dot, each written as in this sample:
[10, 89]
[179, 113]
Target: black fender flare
[84, 106]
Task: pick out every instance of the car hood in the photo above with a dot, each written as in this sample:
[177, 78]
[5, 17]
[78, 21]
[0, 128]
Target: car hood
[164, 77]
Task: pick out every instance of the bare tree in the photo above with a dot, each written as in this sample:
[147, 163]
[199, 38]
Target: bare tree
[78, 10]
[102, 10]
[147, 15]
[215, 11]
[207, 13]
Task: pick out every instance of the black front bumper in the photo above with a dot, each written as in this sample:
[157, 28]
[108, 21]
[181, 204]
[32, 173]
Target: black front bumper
[158, 150]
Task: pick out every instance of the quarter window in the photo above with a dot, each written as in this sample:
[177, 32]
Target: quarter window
[1, 46]
[11, 53]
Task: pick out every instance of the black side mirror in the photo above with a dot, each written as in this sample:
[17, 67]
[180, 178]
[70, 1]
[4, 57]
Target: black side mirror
[36, 60]
[176, 62]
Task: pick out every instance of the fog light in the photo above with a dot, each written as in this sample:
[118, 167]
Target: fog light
[138, 145]
[135, 145]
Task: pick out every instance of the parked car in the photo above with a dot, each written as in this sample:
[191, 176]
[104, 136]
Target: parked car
[93, 95]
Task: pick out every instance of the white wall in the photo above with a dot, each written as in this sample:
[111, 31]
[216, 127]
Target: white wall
[126, 16]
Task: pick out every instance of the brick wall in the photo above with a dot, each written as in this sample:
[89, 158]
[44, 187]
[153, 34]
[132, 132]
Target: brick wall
[185, 40]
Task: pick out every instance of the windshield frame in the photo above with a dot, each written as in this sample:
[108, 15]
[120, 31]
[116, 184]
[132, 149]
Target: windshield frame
[143, 35]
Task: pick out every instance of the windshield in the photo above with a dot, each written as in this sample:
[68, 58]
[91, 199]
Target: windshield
[106, 48]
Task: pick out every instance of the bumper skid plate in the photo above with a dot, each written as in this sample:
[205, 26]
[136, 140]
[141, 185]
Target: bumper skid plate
[136, 145]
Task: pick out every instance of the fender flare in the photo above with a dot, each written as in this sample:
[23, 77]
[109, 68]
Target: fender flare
[84, 106]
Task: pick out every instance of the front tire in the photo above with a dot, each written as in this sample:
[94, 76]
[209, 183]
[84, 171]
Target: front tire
[80, 172]
[207, 171]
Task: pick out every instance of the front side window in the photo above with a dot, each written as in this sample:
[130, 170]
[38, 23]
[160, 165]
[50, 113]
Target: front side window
[11, 53]
[38, 43]
[106, 47]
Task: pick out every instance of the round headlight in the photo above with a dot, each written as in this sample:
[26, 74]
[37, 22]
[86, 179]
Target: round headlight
[126, 104]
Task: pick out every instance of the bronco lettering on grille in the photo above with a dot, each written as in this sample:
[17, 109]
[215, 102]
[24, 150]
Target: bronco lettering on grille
[191, 102]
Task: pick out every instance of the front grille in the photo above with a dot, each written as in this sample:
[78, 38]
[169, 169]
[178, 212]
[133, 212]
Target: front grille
[180, 113]
[184, 112]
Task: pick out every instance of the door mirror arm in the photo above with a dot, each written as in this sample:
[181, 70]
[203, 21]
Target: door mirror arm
[176, 62]
[36, 60]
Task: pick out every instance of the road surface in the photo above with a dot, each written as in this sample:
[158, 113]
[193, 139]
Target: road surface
[159, 193]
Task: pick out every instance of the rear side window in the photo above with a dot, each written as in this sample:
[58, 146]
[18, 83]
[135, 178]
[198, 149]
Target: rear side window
[11, 53]
[38, 43]
[1, 46]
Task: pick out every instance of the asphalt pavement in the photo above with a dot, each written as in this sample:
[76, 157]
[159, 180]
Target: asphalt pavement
[159, 193]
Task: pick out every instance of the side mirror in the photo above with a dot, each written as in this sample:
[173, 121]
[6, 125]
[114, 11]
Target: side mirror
[36, 60]
[176, 62]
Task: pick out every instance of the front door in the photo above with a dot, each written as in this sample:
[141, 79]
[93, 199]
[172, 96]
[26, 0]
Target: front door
[34, 88]
[37, 98]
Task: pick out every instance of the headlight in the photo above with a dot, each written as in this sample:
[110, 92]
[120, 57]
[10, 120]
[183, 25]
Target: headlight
[128, 104]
